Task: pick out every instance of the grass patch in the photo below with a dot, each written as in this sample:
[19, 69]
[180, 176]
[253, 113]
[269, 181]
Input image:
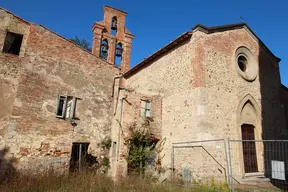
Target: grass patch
[90, 181]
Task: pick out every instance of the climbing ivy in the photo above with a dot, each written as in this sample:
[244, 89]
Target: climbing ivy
[140, 145]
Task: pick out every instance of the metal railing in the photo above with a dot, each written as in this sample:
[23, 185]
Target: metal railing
[199, 161]
[258, 164]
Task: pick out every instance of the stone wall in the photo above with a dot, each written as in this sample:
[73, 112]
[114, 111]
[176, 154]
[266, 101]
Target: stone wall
[49, 65]
[203, 93]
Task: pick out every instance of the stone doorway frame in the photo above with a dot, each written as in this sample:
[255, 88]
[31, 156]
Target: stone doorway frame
[258, 135]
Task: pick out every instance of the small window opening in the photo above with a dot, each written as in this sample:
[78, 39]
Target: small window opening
[118, 54]
[66, 107]
[242, 63]
[12, 43]
[114, 26]
[146, 109]
[104, 49]
[80, 159]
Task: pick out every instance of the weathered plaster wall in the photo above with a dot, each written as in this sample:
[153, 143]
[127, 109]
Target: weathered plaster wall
[129, 105]
[49, 65]
[10, 70]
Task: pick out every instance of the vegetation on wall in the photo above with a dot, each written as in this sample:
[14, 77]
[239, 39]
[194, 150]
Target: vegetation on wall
[82, 43]
[104, 160]
[141, 146]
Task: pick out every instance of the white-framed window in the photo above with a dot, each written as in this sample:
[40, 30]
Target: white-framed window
[66, 107]
[146, 108]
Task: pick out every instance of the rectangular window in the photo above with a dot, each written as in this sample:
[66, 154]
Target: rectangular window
[146, 109]
[12, 43]
[66, 107]
[61, 106]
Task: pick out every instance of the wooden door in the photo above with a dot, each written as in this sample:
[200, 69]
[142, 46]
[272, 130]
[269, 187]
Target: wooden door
[249, 149]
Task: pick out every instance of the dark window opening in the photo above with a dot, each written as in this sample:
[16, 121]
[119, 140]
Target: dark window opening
[12, 43]
[80, 159]
[242, 63]
[114, 26]
[118, 54]
[61, 106]
[104, 49]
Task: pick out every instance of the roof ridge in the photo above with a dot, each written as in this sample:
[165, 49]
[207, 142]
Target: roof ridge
[221, 28]
[160, 51]
[18, 17]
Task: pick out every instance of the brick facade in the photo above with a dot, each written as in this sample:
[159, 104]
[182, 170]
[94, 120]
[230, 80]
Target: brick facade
[203, 93]
[49, 65]
[194, 83]
[102, 31]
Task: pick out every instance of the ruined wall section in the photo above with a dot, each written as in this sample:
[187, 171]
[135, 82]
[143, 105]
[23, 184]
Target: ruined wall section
[10, 71]
[52, 65]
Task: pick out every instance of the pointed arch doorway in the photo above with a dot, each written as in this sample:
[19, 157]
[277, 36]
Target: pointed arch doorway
[249, 122]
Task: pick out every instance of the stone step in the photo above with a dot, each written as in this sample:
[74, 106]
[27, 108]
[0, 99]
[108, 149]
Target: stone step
[255, 180]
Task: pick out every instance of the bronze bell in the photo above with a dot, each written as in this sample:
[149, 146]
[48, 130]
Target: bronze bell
[119, 51]
[114, 25]
[104, 48]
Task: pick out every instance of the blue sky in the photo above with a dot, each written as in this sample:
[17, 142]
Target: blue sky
[156, 23]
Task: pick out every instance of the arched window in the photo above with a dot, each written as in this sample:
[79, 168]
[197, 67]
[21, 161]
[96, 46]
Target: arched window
[114, 26]
[118, 54]
[104, 49]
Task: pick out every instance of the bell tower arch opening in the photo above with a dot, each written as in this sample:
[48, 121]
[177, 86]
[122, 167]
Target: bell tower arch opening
[118, 54]
[114, 26]
[118, 38]
[104, 49]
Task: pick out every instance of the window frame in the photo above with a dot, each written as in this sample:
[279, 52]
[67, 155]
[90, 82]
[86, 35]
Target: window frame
[65, 105]
[147, 109]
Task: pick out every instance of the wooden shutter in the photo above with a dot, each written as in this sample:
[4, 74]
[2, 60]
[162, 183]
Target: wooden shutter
[148, 109]
[143, 109]
[73, 108]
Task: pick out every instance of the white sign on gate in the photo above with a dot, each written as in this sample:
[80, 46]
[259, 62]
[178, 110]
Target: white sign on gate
[278, 170]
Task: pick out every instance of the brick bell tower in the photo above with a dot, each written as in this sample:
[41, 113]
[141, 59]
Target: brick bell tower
[111, 39]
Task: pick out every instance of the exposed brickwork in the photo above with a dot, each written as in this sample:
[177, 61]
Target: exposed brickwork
[194, 84]
[49, 65]
[202, 91]
[102, 30]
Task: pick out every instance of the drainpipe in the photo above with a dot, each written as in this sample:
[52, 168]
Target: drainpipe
[113, 86]
[120, 124]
